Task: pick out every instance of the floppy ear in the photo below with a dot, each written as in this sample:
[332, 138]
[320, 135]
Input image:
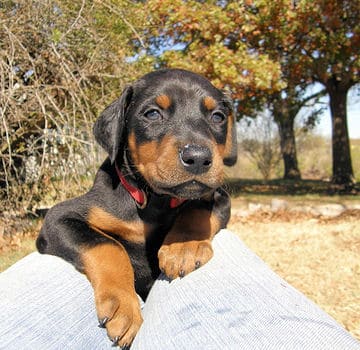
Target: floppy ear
[109, 127]
[230, 154]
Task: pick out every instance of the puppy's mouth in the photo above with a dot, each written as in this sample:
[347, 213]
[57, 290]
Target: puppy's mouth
[188, 190]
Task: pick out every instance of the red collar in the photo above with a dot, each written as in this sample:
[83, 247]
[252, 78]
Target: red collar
[140, 196]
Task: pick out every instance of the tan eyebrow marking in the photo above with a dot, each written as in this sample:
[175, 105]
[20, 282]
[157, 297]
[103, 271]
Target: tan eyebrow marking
[163, 101]
[209, 103]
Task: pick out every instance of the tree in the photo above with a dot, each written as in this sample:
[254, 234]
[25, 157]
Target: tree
[331, 47]
[260, 142]
[229, 48]
[259, 48]
[319, 41]
[285, 106]
[61, 63]
[274, 24]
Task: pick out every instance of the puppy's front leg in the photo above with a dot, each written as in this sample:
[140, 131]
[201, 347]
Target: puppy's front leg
[109, 270]
[187, 246]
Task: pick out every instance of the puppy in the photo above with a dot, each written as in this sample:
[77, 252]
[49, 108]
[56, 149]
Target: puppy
[157, 200]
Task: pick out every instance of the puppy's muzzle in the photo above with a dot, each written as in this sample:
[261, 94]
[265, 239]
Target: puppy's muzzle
[196, 159]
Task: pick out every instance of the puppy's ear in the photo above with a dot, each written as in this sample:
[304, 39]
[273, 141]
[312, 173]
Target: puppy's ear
[230, 154]
[109, 127]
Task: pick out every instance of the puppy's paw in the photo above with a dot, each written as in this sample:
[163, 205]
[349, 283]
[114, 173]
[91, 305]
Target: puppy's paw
[177, 259]
[119, 312]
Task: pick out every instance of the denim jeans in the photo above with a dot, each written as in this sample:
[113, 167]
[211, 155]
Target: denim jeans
[233, 302]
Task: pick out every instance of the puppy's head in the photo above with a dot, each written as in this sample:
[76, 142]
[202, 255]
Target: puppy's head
[178, 131]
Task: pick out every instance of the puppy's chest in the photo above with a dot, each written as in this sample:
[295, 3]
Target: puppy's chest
[143, 252]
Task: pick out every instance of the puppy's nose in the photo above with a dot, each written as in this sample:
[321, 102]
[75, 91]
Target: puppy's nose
[196, 159]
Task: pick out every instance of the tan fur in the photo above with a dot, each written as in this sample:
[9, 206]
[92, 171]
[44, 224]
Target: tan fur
[163, 101]
[100, 220]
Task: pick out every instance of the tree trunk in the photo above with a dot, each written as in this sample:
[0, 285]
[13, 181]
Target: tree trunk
[288, 148]
[342, 171]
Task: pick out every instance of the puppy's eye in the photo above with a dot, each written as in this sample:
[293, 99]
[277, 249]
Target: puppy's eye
[153, 115]
[217, 117]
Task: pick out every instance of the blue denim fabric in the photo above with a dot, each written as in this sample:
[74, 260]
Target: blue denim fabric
[233, 302]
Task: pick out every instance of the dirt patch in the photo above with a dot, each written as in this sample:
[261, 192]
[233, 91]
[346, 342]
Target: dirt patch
[318, 255]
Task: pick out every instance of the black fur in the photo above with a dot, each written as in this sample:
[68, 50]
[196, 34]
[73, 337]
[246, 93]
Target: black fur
[66, 231]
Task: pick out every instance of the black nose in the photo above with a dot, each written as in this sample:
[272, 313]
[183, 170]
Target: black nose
[196, 159]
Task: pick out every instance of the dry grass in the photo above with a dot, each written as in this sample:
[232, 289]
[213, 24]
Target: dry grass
[19, 240]
[13, 249]
[318, 256]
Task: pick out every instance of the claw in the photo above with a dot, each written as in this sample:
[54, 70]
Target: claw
[115, 341]
[102, 322]
[125, 347]
[197, 265]
[181, 273]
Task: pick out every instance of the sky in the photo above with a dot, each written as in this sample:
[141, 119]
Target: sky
[353, 111]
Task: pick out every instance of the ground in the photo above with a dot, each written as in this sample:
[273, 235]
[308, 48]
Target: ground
[317, 254]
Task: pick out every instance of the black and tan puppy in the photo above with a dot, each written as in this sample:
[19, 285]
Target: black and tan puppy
[156, 202]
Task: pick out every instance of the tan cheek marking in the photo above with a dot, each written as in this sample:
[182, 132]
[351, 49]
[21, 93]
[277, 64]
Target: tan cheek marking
[163, 101]
[225, 150]
[209, 103]
[144, 154]
[229, 140]
[155, 159]
[164, 162]
[218, 166]
[102, 221]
